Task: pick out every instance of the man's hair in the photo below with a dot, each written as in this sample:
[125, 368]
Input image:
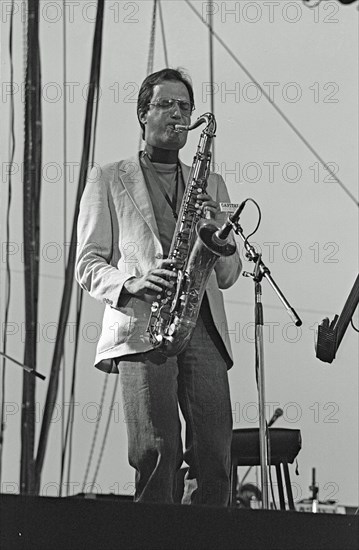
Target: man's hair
[146, 90]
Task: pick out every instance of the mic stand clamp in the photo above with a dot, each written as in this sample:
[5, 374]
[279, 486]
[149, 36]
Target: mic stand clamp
[260, 271]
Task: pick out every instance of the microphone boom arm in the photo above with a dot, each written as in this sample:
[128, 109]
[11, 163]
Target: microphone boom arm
[261, 270]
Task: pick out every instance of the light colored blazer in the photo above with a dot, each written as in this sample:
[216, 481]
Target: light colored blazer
[118, 239]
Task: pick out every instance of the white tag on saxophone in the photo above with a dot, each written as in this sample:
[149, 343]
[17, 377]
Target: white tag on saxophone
[228, 206]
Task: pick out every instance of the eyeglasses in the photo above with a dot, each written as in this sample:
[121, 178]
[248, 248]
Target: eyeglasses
[166, 103]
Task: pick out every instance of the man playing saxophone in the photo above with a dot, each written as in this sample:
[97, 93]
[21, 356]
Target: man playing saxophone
[126, 223]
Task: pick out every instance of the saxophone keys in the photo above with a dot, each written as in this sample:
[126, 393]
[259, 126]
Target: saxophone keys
[171, 329]
[173, 326]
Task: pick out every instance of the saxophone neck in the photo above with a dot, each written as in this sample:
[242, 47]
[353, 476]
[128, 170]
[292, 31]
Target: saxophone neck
[206, 118]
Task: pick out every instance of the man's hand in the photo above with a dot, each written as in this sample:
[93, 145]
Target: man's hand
[207, 204]
[146, 287]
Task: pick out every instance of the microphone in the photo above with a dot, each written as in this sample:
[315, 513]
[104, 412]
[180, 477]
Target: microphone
[221, 234]
[277, 414]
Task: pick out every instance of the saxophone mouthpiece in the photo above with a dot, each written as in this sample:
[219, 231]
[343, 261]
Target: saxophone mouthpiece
[179, 128]
[207, 119]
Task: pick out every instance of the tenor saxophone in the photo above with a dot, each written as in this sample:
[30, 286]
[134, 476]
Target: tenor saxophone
[196, 250]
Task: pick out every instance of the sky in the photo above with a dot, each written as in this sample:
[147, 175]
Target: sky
[306, 61]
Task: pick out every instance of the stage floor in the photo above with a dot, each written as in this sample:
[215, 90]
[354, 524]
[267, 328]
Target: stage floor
[45, 523]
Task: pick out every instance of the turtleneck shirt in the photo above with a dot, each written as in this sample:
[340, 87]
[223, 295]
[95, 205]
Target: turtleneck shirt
[168, 176]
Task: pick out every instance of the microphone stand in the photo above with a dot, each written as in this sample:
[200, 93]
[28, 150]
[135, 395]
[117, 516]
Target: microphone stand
[260, 271]
[23, 366]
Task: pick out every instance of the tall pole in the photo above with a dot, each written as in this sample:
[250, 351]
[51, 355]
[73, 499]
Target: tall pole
[70, 267]
[31, 231]
[211, 75]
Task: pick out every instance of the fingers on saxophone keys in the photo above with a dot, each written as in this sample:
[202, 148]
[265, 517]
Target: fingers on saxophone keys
[154, 289]
[165, 273]
[206, 208]
[199, 201]
[204, 203]
[164, 277]
[170, 263]
[203, 197]
[161, 286]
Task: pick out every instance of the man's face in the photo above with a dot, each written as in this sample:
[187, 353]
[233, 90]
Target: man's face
[159, 123]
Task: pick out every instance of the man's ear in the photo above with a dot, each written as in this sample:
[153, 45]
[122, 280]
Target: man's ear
[143, 117]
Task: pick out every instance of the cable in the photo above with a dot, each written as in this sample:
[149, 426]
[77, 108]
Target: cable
[258, 222]
[94, 438]
[163, 33]
[8, 271]
[211, 72]
[64, 128]
[70, 267]
[151, 52]
[353, 326]
[278, 109]
[97, 101]
[64, 146]
[72, 400]
[71, 414]
[105, 434]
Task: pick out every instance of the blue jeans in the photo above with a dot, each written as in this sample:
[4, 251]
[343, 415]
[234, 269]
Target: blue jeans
[153, 386]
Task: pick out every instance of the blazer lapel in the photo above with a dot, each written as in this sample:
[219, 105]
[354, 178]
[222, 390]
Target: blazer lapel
[185, 172]
[134, 182]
